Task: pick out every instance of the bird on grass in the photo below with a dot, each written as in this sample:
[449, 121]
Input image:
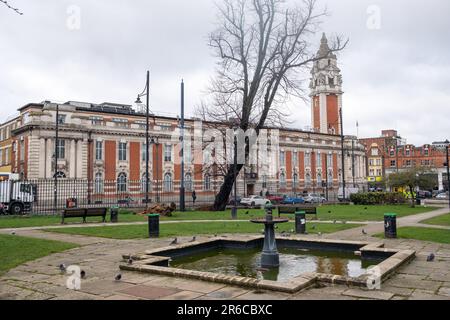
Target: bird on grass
[62, 267]
[118, 277]
[175, 241]
[431, 257]
[83, 274]
[247, 212]
[329, 211]
[319, 234]
[194, 238]
[364, 232]
[313, 227]
[13, 233]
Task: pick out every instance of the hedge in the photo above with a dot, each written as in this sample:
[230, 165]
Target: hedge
[373, 198]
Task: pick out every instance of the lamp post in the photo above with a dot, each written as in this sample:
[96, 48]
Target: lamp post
[182, 186]
[447, 146]
[234, 209]
[343, 154]
[146, 93]
[56, 158]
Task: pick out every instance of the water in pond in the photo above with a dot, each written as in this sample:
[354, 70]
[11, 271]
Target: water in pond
[293, 262]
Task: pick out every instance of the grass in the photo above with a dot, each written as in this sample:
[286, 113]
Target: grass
[15, 250]
[190, 229]
[423, 234]
[443, 220]
[327, 212]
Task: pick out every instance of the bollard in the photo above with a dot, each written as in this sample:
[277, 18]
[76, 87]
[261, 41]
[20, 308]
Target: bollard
[300, 222]
[153, 225]
[390, 226]
[114, 211]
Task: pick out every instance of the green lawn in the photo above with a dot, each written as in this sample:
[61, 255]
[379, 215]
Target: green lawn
[423, 234]
[439, 221]
[190, 229]
[328, 212]
[15, 250]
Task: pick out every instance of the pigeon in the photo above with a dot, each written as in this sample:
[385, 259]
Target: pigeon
[13, 233]
[118, 277]
[62, 267]
[83, 274]
[319, 234]
[175, 241]
[365, 208]
[431, 257]
[194, 238]
[364, 232]
[329, 211]
[313, 227]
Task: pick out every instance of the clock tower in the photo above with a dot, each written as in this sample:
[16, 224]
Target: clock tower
[326, 91]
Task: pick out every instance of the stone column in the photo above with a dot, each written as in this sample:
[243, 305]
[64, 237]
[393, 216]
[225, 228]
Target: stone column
[72, 161]
[79, 158]
[49, 158]
[42, 158]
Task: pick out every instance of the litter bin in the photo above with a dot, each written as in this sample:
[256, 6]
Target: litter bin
[300, 222]
[114, 214]
[390, 226]
[153, 225]
[71, 203]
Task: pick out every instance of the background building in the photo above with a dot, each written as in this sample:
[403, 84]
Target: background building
[6, 146]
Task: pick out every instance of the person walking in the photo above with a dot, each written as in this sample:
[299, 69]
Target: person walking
[194, 197]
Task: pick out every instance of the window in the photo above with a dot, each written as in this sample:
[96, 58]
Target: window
[295, 181]
[122, 183]
[426, 152]
[62, 119]
[97, 121]
[60, 149]
[146, 182]
[167, 182]
[188, 155]
[308, 179]
[188, 182]
[408, 163]
[7, 160]
[379, 173]
[408, 152]
[374, 152]
[122, 151]
[166, 127]
[144, 151]
[330, 161]
[98, 150]
[378, 162]
[168, 153]
[264, 182]
[282, 181]
[307, 159]
[142, 124]
[319, 179]
[371, 162]
[98, 186]
[282, 158]
[1, 157]
[319, 159]
[330, 178]
[59, 175]
[295, 159]
[123, 123]
[207, 182]
[393, 164]
[392, 153]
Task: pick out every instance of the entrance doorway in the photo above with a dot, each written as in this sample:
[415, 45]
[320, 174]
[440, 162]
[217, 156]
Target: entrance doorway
[250, 190]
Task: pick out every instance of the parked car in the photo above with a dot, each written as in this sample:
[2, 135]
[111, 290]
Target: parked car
[255, 201]
[293, 200]
[275, 199]
[442, 196]
[424, 195]
[231, 201]
[314, 198]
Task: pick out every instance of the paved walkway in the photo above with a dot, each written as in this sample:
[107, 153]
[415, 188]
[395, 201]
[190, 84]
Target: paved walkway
[100, 258]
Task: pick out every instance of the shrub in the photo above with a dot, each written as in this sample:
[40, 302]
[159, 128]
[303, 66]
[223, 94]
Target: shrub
[374, 198]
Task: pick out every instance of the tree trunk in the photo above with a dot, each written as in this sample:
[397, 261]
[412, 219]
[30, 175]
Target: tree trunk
[413, 199]
[223, 196]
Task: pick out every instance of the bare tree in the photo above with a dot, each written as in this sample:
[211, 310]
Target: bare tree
[264, 48]
[10, 7]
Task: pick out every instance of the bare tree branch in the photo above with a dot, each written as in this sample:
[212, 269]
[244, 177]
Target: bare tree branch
[10, 7]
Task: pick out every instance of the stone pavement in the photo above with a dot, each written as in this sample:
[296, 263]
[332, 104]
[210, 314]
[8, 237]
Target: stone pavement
[100, 258]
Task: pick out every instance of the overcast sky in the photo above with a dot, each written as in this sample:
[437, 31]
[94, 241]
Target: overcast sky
[396, 69]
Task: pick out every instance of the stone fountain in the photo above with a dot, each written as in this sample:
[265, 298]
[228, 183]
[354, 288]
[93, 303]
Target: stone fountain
[270, 257]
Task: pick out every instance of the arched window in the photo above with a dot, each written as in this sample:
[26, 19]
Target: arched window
[207, 182]
[168, 182]
[282, 181]
[122, 182]
[59, 175]
[144, 181]
[188, 182]
[98, 182]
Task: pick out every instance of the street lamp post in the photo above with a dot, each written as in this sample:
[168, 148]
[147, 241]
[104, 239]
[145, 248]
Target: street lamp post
[447, 143]
[182, 186]
[56, 158]
[146, 93]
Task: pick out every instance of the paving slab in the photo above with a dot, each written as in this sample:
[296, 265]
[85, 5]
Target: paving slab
[227, 293]
[373, 294]
[148, 292]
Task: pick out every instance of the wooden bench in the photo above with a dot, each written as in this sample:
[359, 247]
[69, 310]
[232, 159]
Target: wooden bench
[84, 213]
[308, 209]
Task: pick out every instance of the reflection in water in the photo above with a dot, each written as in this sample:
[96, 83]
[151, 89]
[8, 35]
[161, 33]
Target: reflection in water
[293, 262]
